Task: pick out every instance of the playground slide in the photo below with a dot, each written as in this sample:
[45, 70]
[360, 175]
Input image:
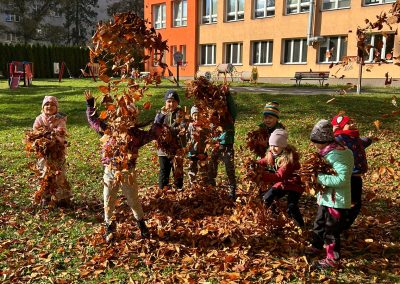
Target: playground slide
[14, 82]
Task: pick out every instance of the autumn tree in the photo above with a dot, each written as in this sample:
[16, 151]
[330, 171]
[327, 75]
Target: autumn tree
[80, 19]
[135, 6]
[29, 17]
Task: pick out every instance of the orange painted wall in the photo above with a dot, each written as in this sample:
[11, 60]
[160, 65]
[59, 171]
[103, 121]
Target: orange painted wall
[176, 36]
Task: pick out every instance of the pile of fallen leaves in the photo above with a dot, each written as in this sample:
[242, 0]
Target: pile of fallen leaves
[210, 99]
[47, 147]
[257, 142]
[313, 165]
[113, 46]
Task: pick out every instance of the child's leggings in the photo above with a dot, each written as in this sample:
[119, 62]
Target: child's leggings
[225, 153]
[328, 226]
[292, 202]
[129, 189]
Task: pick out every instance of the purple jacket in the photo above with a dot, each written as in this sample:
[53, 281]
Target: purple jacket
[138, 136]
[357, 145]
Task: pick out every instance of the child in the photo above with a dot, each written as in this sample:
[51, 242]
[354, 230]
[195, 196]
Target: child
[335, 200]
[282, 161]
[129, 188]
[224, 150]
[53, 121]
[196, 137]
[270, 123]
[346, 132]
[171, 115]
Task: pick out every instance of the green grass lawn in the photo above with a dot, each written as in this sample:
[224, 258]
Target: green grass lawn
[65, 245]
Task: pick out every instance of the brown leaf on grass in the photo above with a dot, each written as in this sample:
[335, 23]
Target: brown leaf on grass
[377, 125]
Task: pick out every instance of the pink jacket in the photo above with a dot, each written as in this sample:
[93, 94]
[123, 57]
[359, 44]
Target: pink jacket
[56, 122]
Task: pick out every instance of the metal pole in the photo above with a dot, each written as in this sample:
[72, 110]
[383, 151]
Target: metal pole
[360, 66]
[177, 74]
[310, 33]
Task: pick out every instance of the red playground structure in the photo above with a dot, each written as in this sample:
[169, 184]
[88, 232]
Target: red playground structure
[20, 70]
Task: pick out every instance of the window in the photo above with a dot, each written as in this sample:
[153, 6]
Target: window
[295, 51]
[156, 57]
[333, 49]
[373, 2]
[159, 16]
[180, 13]
[207, 54]
[335, 4]
[262, 52]
[209, 11]
[297, 6]
[11, 37]
[233, 53]
[234, 10]
[381, 47]
[12, 17]
[264, 8]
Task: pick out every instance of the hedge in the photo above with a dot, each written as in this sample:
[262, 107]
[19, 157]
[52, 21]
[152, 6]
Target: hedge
[43, 58]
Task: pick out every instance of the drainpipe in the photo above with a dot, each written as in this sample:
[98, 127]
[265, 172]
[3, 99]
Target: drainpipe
[310, 33]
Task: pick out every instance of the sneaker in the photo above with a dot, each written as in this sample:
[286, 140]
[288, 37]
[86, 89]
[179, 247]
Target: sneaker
[327, 263]
[144, 231]
[312, 251]
[110, 231]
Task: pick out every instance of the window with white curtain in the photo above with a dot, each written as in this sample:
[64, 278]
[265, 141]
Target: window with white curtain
[332, 49]
[209, 11]
[335, 4]
[297, 6]
[264, 8]
[180, 13]
[233, 53]
[207, 54]
[159, 16]
[234, 10]
[156, 57]
[373, 2]
[295, 51]
[262, 52]
[381, 47]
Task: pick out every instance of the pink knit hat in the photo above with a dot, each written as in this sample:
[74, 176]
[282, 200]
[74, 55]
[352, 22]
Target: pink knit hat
[50, 99]
[279, 138]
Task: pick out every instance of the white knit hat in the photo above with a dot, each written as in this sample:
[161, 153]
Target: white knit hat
[279, 138]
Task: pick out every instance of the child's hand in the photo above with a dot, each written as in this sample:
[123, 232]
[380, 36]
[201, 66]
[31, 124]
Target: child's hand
[88, 95]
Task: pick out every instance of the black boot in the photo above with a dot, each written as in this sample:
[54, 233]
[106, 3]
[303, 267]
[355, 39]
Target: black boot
[110, 230]
[144, 232]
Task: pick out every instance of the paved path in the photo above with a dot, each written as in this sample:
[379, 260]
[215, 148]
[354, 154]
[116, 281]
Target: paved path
[286, 91]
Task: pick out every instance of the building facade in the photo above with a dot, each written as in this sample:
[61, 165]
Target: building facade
[278, 37]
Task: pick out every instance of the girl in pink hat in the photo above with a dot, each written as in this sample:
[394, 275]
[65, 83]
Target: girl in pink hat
[53, 165]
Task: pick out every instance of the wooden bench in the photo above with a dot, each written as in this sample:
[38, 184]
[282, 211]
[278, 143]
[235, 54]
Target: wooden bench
[318, 76]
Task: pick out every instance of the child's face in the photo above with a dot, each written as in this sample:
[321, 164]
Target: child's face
[270, 120]
[276, 150]
[49, 108]
[171, 104]
[351, 125]
[195, 116]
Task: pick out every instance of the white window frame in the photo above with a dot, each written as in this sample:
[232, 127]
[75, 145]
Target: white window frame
[207, 17]
[298, 7]
[206, 55]
[239, 52]
[378, 2]
[159, 16]
[11, 37]
[337, 50]
[235, 13]
[257, 61]
[382, 51]
[264, 10]
[155, 61]
[302, 40]
[336, 3]
[180, 18]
